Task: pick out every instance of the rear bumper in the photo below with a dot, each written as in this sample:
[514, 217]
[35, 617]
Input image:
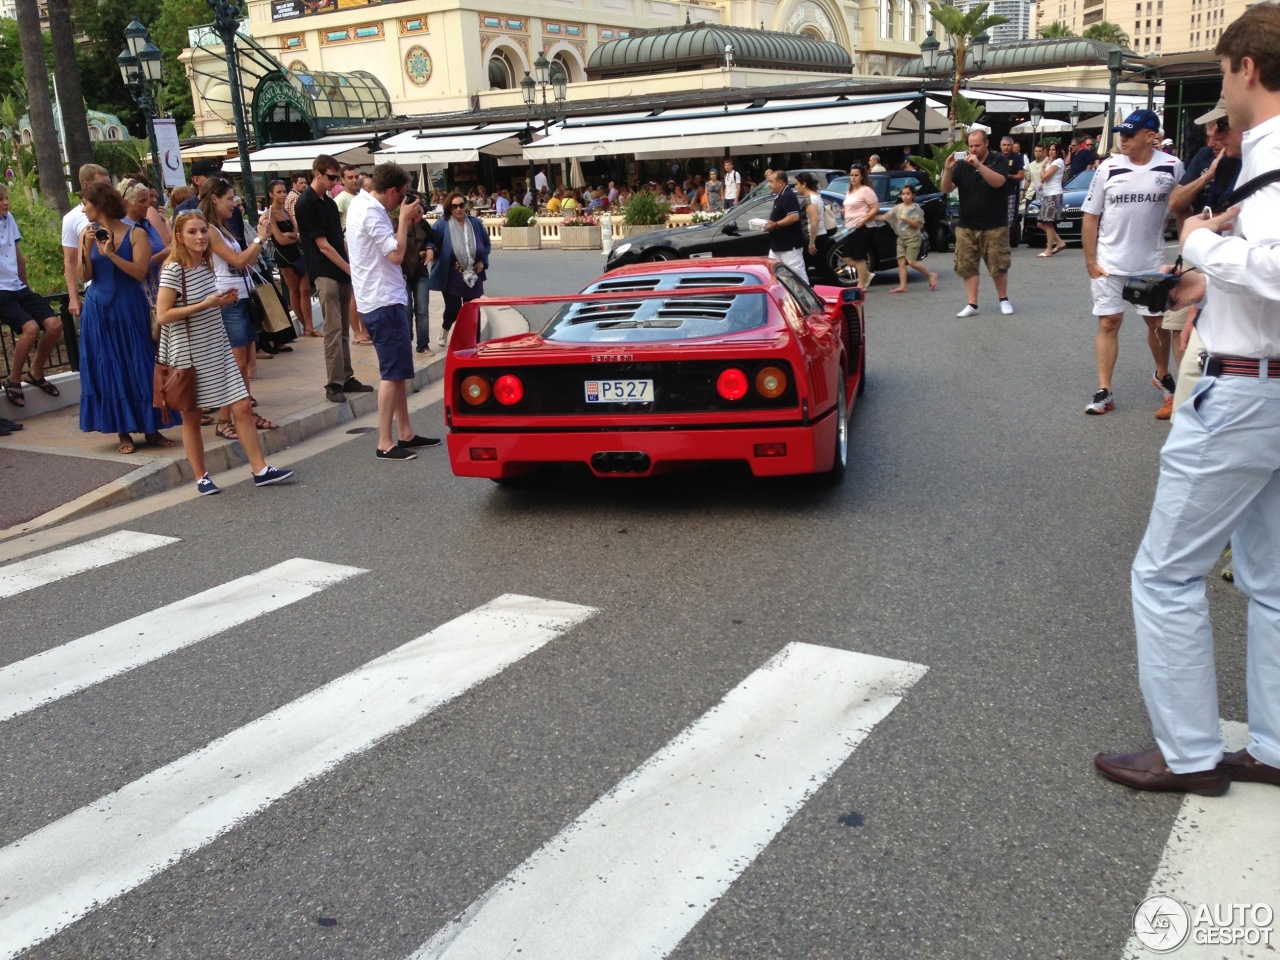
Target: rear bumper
[808, 449]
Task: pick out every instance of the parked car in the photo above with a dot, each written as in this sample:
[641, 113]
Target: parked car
[655, 367]
[1069, 223]
[888, 187]
[740, 233]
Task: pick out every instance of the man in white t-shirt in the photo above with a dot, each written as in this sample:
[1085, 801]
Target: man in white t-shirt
[1124, 217]
[376, 251]
[73, 225]
[540, 180]
[732, 184]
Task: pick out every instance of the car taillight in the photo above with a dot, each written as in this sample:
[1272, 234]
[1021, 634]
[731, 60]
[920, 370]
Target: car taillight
[732, 384]
[771, 382]
[475, 390]
[508, 390]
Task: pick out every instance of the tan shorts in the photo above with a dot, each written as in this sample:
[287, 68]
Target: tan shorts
[1175, 319]
[909, 248]
[982, 246]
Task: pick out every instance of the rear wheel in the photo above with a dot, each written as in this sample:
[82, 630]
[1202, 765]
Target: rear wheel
[840, 456]
[661, 255]
[838, 272]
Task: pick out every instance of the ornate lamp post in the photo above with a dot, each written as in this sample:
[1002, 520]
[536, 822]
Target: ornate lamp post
[1036, 116]
[226, 23]
[142, 70]
[548, 75]
[928, 67]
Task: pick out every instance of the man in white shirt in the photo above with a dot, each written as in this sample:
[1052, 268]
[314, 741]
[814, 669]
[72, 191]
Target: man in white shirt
[1123, 232]
[732, 184]
[540, 180]
[874, 165]
[24, 312]
[1220, 467]
[73, 225]
[376, 250]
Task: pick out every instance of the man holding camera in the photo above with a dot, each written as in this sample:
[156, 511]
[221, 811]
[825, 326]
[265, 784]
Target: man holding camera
[1220, 467]
[377, 251]
[1123, 232]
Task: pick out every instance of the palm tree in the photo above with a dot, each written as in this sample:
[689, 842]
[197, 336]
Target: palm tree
[1056, 29]
[962, 28]
[53, 181]
[75, 124]
[1107, 33]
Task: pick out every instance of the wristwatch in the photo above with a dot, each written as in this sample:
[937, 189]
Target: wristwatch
[255, 240]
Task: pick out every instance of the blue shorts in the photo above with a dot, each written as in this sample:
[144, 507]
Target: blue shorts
[389, 330]
[238, 324]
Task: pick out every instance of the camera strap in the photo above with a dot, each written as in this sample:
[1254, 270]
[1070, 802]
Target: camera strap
[1246, 190]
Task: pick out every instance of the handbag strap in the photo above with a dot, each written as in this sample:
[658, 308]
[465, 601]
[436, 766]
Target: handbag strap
[1246, 190]
[186, 320]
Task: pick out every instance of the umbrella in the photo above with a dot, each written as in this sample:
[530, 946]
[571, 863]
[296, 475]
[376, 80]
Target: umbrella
[577, 179]
[1047, 125]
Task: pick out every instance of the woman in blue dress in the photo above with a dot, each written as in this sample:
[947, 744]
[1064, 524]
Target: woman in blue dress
[116, 352]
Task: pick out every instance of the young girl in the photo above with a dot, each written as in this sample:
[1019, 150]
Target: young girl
[908, 219]
[189, 307]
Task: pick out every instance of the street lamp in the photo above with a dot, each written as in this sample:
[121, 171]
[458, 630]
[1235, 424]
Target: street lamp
[1036, 116]
[142, 70]
[1074, 117]
[1115, 64]
[928, 66]
[549, 74]
[226, 23]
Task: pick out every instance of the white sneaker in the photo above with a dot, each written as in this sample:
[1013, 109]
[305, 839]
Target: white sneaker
[969, 311]
[1006, 307]
[443, 339]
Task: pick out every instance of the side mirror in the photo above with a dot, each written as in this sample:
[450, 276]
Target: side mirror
[852, 295]
[731, 229]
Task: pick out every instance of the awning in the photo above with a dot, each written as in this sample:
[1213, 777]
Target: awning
[217, 149]
[435, 148]
[291, 157]
[821, 125]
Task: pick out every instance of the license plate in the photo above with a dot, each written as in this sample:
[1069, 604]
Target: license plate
[619, 391]
[1065, 225]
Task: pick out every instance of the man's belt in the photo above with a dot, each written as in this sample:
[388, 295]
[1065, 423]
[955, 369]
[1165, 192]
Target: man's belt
[1240, 367]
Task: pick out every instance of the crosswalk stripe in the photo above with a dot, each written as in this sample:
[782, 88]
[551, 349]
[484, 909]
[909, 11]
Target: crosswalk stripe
[54, 876]
[631, 877]
[81, 663]
[1221, 850]
[57, 565]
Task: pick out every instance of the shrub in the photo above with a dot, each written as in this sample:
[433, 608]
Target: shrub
[646, 210]
[41, 241]
[520, 216]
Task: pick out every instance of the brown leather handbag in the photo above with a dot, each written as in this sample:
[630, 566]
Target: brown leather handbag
[174, 387]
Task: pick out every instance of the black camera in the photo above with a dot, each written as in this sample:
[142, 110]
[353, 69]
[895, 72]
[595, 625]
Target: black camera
[1150, 291]
[412, 196]
[101, 234]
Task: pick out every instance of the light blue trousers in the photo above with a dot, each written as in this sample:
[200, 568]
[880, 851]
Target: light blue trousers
[1219, 481]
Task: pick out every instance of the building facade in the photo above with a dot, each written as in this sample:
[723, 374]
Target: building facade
[1154, 26]
[1019, 13]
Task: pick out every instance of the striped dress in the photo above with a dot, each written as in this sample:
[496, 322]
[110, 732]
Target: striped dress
[218, 379]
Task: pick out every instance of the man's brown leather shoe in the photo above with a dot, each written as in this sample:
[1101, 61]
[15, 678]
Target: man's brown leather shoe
[1148, 771]
[1248, 769]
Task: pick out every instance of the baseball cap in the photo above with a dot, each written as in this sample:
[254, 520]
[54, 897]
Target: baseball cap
[206, 167]
[1214, 115]
[1138, 120]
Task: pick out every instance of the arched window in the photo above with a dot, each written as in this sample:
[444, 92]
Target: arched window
[113, 133]
[502, 75]
[565, 65]
[913, 22]
[886, 19]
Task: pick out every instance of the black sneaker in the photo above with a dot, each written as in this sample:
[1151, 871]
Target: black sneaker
[397, 453]
[11, 425]
[419, 441]
[1102, 401]
[355, 386]
[334, 394]
[1166, 384]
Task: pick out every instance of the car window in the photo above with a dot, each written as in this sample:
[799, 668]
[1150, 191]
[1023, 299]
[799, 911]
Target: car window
[744, 213]
[1081, 180]
[653, 320]
[807, 301]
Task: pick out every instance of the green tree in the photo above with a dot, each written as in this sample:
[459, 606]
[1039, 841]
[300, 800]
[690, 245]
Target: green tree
[1056, 29]
[102, 24]
[170, 33]
[53, 184]
[1107, 32]
[962, 28]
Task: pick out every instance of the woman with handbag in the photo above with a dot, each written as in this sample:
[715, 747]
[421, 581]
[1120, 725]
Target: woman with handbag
[193, 336]
[289, 256]
[458, 260]
[217, 204]
[116, 350]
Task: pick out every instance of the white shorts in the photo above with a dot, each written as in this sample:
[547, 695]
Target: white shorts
[793, 259]
[1108, 296]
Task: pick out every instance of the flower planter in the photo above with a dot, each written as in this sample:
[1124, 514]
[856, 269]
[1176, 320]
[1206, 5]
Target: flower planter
[579, 238]
[522, 238]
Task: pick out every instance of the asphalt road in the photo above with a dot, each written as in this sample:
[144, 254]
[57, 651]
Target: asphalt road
[984, 531]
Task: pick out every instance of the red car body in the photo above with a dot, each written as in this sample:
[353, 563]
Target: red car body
[708, 360]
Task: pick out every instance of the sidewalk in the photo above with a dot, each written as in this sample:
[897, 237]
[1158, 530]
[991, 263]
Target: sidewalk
[51, 472]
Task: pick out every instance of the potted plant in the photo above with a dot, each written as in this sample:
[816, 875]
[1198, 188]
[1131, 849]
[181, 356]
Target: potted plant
[644, 212]
[580, 232]
[520, 231]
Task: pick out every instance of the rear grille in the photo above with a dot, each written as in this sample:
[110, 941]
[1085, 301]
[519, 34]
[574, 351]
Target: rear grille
[679, 386]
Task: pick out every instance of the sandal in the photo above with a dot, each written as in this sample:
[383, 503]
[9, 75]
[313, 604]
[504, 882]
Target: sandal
[13, 391]
[262, 423]
[312, 333]
[158, 440]
[206, 420]
[126, 444]
[252, 401]
[226, 430]
[364, 342]
[42, 384]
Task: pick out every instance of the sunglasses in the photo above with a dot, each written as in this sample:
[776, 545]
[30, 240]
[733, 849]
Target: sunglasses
[458, 206]
[330, 176]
